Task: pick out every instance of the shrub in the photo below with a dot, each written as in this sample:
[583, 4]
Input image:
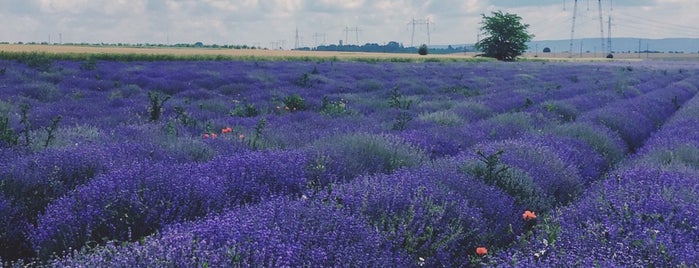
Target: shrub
[294, 103]
[605, 142]
[36, 60]
[156, 105]
[304, 80]
[678, 158]
[245, 110]
[41, 91]
[543, 165]
[334, 108]
[561, 110]
[422, 50]
[89, 64]
[444, 118]
[7, 134]
[511, 180]
[344, 157]
[397, 100]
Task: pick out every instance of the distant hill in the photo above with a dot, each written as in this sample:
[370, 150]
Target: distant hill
[667, 45]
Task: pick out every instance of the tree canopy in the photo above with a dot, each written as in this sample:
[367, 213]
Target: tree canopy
[505, 38]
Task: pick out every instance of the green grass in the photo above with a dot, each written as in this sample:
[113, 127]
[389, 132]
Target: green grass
[42, 59]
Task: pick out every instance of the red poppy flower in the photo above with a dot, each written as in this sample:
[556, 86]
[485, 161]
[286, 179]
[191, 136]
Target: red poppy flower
[528, 215]
[481, 251]
[206, 136]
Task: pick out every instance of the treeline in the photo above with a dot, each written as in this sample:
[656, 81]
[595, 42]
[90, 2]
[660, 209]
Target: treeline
[390, 47]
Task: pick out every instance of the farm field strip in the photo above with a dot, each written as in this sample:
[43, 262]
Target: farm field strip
[417, 163]
[227, 54]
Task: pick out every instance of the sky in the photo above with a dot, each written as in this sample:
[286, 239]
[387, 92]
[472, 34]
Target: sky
[284, 23]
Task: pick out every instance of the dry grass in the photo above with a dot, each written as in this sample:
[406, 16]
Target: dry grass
[233, 53]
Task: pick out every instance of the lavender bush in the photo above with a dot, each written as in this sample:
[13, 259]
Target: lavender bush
[276, 233]
[136, 200]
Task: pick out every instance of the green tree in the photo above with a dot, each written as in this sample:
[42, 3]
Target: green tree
[422, 50]
[506, 36]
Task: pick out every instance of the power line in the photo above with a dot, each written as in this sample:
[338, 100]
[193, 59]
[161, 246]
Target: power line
[356, 31]
[414, 22]
[317, 36]
[643, 26]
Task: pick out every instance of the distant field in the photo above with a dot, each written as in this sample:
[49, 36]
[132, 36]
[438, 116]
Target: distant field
[233, 53]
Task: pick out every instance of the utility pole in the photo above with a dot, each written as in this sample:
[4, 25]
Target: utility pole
[647, 49]
[414, 22]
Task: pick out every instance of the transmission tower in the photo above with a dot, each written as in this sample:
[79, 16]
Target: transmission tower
[601, 26]
[352, 29]
[572, 30]
[601, 23]
[425, 22]
[609, 34]
[296, 42]
[317, 36]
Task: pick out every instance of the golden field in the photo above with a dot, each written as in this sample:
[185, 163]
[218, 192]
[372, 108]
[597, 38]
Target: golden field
[233, 53]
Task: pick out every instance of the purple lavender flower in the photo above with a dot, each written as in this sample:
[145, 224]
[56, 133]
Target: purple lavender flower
[276, 233]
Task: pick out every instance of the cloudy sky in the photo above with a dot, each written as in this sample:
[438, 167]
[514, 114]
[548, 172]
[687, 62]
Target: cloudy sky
[269, 23]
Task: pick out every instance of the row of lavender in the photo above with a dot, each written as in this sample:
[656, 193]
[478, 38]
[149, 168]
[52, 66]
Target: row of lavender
[134, 178]
[643, 215]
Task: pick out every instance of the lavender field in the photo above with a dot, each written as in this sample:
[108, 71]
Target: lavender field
[355, 164]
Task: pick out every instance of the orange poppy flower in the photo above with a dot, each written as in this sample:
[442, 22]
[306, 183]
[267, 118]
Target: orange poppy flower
[206, 136]
[481, 251]
[528, 215]
[213, 135]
